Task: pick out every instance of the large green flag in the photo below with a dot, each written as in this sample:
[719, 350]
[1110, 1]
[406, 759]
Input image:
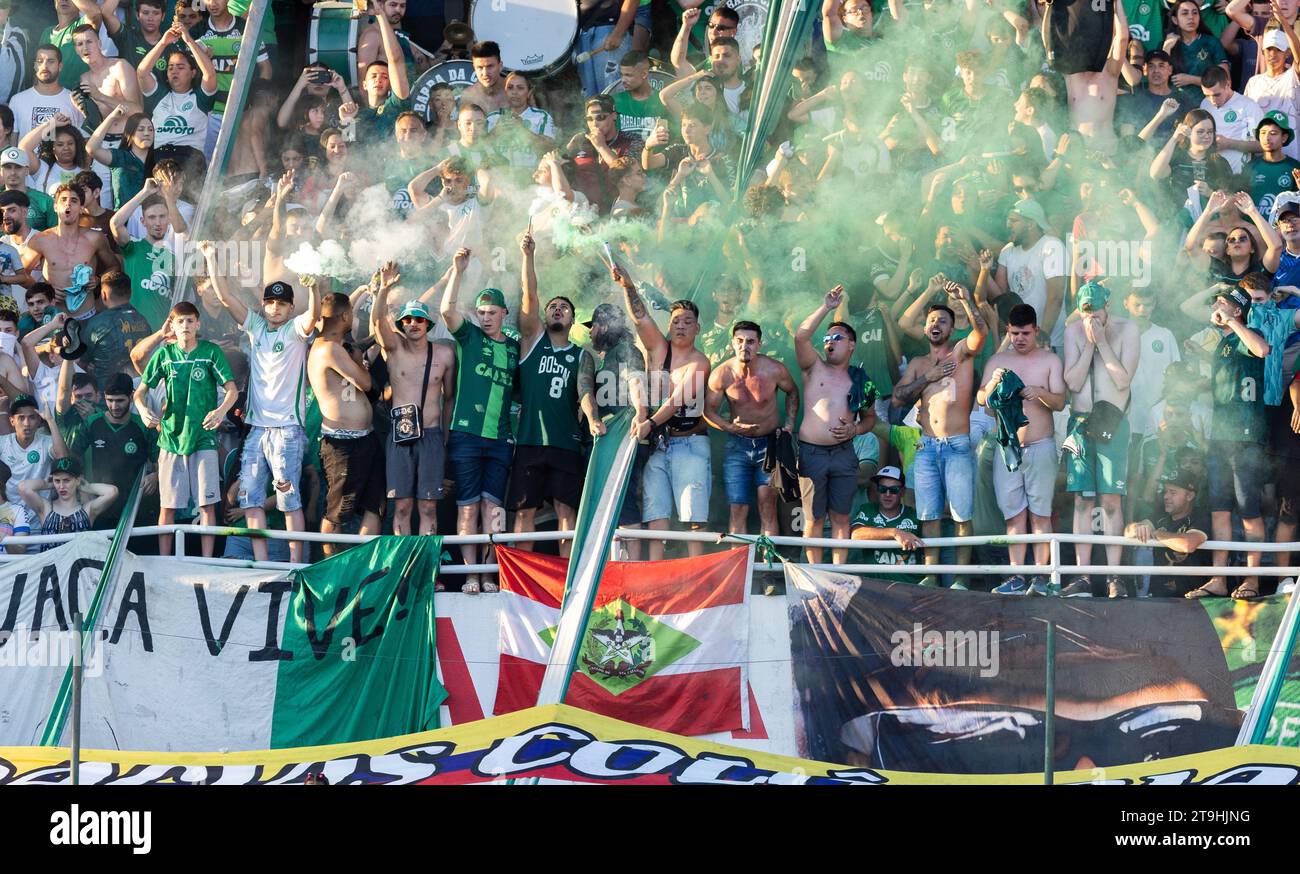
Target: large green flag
[360, 630]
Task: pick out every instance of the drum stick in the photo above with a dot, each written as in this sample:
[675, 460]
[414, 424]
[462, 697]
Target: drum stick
[588, 55]
[608, 253]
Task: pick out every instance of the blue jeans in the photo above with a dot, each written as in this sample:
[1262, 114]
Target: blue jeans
[742, 468]
[599, 71]
[944, 470]
[480, 467]
[274, 453]
[678, 475]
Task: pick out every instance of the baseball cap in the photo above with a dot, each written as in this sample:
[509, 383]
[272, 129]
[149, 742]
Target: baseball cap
[278, 291]
[1287, 201]
[1275, 39]
[119, 384]
[604, 313]
[1236, 295]
[889, 472]
[1182, 477]
[67, 465]
[414, 308]
[1032, 210]
[22, 401]
[1093, 294]
[490, 297]
[13, 156]
[1278, 119]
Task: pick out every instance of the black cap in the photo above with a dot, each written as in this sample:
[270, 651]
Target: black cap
[67, 465]
[119, 384]
[278, 291]
[1182, 477]
[1233, 294]
[69, 341]
[605, 312]
[22, 401]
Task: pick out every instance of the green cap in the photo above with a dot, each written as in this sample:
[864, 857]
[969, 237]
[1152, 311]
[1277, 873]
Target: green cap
[1093, 294]
[490, 297]
[414, 308]
[1277, 118]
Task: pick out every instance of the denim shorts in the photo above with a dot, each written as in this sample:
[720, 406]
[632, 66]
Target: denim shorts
[274, 453]
[742, 468]
[480, 467]
[681, 475]
[944, 471]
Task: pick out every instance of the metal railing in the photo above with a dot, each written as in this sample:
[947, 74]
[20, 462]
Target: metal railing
[1054, 568]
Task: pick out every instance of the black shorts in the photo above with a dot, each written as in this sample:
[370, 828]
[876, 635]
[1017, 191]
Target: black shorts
[544, 473]
[354, 476]
[416, 468]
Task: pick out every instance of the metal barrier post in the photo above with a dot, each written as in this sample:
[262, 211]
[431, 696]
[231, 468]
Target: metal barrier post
[1055, 552]
[180, 542]
[77, 669]
[1049, 735]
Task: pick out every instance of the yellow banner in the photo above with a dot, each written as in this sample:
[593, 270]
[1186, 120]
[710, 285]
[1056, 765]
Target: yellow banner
[562, 743]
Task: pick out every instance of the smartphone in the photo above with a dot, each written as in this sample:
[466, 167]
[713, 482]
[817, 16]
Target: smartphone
[321, 77]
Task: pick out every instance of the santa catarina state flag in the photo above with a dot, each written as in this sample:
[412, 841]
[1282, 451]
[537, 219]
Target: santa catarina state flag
[667, 645]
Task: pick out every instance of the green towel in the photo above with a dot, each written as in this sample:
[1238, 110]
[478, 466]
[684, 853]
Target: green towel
[1009, 409]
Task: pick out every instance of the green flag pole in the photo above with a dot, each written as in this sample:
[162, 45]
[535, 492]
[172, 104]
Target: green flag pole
[58, 717]
[1254, 728]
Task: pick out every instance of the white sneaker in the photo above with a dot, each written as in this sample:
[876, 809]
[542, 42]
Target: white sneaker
[1287, 586]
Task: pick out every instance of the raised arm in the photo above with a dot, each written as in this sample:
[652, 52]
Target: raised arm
[682, 42]
[203, 60]
[805, 355]
[102, 497]
[30, 491]
[380, 324]
[397, 77]
[1160, 164]
[226, 296]
[142, 351]
[974, 341]
[910, 322]
[1250, 338]
[1119, 42]
[671, 94]
[144, 77]
[37, 336]
[1272, 239]
[117, 224]
[646, 330]
[450, 308]
[530, 319]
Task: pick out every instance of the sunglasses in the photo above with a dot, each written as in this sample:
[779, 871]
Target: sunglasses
[597, 116]
[404, 319]
[890, 490]
[1238, 239]
[831, 338]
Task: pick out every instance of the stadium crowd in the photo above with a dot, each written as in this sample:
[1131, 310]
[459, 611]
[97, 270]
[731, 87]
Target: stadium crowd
[1063, 266]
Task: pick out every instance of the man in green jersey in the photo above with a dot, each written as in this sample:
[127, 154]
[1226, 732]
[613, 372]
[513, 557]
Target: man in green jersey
[481, 446]
[1237, 432]
[548, 461]
[112, 440]
[889, 519]
[193, 369]
[149, 262]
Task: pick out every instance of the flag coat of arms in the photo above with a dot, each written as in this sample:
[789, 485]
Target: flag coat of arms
[667, 645]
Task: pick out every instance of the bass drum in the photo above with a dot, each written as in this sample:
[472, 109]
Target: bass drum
[753, 21]
[332, 39]
[458, 74]
[536, 36]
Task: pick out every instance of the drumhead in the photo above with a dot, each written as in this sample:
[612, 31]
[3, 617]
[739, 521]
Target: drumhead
[753, 21]
[458, 74]
[536, 36]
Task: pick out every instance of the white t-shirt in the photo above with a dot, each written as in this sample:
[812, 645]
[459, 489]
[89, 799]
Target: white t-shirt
[50, 176]
[1277, 94]
[277, 378]
[1236, 120]
[135, 224]
[732, 97]
[1159, 349]
[464, 225]
[32, 462]
[1027, 273]
[32, 109]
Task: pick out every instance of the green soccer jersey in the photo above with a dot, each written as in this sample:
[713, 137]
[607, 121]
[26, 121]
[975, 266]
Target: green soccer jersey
[150, 268]
[485, 378]
[224, 45]
[1268, 179]
[1238, 387]
[639, 116]
[40, 210]
[1146, 22]
[193, 379]
[548, 396]
[873, 351]
[871, 516]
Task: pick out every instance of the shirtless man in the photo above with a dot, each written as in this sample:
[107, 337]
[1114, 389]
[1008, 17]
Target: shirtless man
[68, 251]
[749, 382]
[1092, 94]
[679, 468]
[489, 88]
[415, 466]
[1025, 494]
[352, 457]
[944, 382]
[111, 82]
[370, 44]
[1101, 357]
[828, 466]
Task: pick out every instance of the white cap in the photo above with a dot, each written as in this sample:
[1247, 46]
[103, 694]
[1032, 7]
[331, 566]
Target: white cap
[13, 156]
[1275, 39]
[888, 472]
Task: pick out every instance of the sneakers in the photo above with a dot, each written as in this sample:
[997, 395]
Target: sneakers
[1286, 586]
[1038, 586]
[1079, 587]
[959, 585]
[929, 581]
[1116, 588]
[1012, 585]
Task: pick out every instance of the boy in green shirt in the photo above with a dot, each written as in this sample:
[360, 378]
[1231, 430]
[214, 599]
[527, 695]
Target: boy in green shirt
[193, 369]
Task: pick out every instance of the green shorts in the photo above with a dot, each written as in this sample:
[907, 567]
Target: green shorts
[1104, 470]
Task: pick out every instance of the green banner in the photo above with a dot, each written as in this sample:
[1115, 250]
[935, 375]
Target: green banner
[359, 658]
